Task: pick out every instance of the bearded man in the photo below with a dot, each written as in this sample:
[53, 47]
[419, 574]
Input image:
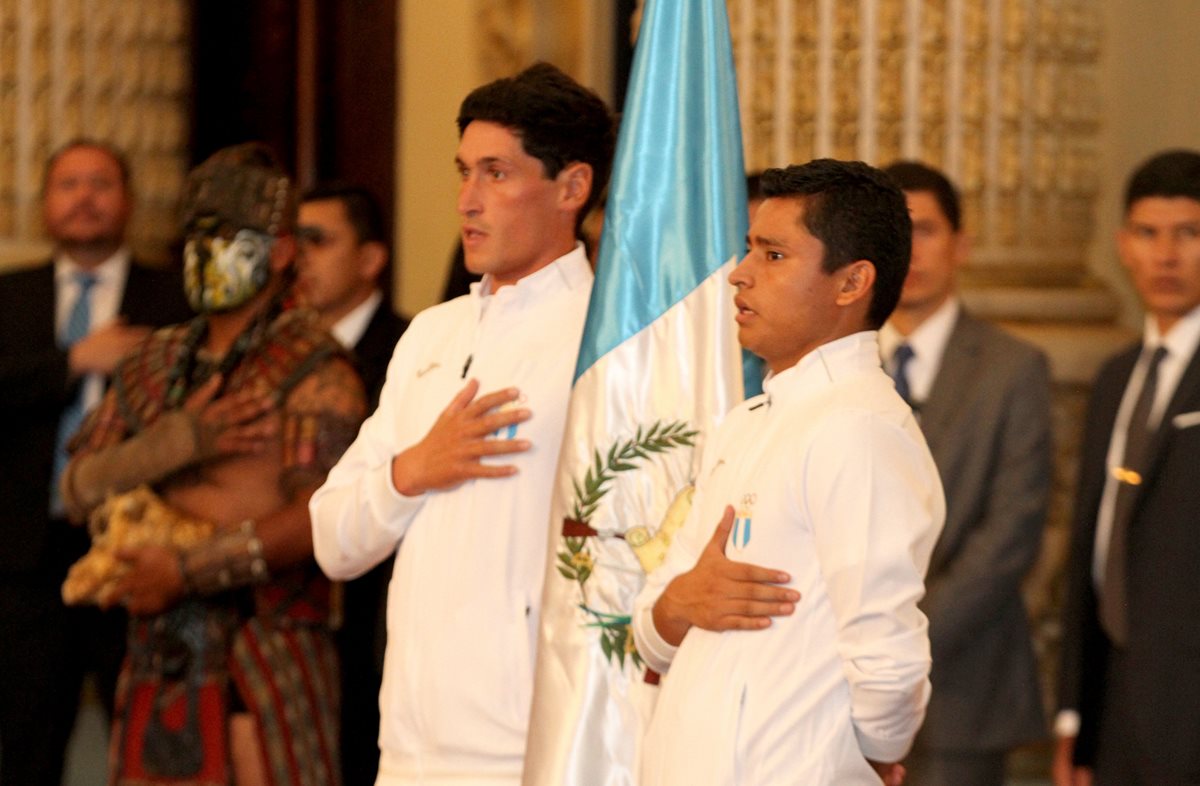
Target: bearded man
[233, 420]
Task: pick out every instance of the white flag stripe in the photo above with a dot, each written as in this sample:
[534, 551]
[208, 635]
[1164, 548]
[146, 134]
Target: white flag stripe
[590, 706]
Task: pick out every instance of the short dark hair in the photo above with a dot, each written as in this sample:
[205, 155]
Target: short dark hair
[558, 120]
[857, 212]
[118, 157]
[362, 209]
[1171, 173]
[753, 186]
[915, 176]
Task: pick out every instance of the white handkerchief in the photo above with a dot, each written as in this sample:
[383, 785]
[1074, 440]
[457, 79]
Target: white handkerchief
[1186, 420]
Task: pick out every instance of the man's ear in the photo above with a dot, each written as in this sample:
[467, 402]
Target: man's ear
[962, 248]
[858, 279]
[1123, 240]
[283, 252]
[372, 257]
[575, 180]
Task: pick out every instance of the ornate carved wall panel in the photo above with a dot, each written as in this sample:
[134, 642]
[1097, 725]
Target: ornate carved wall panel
[1001, 94]
[114, 70]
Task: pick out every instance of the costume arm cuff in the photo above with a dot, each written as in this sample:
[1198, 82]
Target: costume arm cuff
[232, 558]
[167, 445]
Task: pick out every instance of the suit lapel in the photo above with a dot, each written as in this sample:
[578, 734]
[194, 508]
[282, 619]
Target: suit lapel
[135, 296]
[952, 385]
[43, 292]
[955, 376]
[373, 340]
[1184, 396]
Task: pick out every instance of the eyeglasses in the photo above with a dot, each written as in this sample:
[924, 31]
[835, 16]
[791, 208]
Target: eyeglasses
[311, 236]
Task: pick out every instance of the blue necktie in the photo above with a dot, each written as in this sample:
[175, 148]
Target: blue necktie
[900, 359]
[79, 321]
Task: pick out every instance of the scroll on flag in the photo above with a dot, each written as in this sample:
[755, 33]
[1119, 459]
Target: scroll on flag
[658, 368]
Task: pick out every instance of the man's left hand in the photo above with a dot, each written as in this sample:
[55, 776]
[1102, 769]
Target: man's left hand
[154, 582]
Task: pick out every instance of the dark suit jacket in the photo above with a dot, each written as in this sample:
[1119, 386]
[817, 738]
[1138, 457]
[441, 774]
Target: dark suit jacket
[987, 422]
[34, 388]
[374, 350]
[1162, 661]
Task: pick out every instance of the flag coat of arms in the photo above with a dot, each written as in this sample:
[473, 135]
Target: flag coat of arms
[658, 368]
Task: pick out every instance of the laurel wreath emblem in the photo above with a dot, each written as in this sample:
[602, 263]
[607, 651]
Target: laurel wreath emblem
[575, 561]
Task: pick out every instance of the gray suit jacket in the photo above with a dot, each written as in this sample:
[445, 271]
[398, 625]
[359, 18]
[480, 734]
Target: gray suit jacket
[987, 422]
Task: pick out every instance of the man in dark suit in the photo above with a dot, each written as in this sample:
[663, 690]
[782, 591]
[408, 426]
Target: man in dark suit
[1130, 680]
[63, 327]
[983, 400]
[342, 266]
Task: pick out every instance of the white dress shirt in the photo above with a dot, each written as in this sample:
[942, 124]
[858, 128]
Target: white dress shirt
[349, 329]
[832, 482]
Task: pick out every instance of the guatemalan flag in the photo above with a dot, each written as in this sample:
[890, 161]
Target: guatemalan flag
[658, 368]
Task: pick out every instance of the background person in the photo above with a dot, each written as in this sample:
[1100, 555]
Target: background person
[64, 325]
[983, 401]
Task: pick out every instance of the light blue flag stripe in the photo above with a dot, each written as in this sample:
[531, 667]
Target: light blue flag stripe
[677, 204]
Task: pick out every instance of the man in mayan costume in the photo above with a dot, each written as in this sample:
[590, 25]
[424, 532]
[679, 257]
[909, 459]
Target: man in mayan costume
[231, 420]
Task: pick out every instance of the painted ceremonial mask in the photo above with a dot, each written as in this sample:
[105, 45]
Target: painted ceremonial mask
[223, 268]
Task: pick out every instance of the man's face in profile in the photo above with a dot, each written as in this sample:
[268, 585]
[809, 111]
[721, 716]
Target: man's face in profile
[332, 267]
[937, 253]
[786, 302]
[507, 204]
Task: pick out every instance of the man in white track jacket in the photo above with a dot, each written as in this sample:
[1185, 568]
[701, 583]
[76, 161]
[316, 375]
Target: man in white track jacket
[815, 670]
[463, 477]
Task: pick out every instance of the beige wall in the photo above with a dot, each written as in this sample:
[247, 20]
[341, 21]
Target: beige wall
[437, 65]
[1150, 90]
[445, 49]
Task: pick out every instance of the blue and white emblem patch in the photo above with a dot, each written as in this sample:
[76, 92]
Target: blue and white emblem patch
[740, 537]
[509, 431]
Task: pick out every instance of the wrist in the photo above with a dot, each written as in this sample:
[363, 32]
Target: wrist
[672, 625]
[404, 478]
[233, 558]
[75, 362]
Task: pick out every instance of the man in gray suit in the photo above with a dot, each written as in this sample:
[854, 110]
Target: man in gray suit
[983, 400]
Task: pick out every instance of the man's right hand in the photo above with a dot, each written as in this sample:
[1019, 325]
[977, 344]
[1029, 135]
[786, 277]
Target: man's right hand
[720, 594]
[451, 452]
[99, 351]
[1063, 769]
[233, 424]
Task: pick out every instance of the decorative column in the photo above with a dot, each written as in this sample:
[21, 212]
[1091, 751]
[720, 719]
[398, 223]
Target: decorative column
[114, 71]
